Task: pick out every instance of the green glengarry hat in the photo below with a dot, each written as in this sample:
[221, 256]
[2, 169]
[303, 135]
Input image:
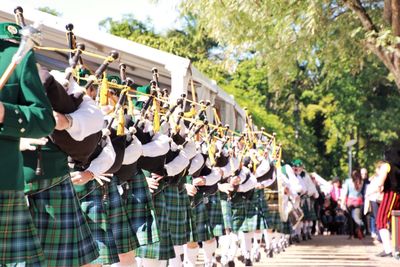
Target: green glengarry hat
[297, 163]
[114, 79]
[9, 30]
[83, 73]
[140, 99]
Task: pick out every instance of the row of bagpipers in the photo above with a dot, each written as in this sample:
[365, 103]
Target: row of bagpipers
[124, 171]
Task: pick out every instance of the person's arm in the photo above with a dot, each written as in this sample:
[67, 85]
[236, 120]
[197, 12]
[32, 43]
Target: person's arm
[213, 177]
[32, 116]
[86, 120]
[382, 173]
[104, 161]
[343, 194]
[248, 185]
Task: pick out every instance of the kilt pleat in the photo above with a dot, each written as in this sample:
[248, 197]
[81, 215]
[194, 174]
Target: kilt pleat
[226, 207]
[215, 214]
[96, 216]
[163, 249]
[307, 206]
[241, 217]
[202, 223]
[286, 228]
[125, 238]
[19, 242]
[273, 220]
[140, 209]
[62, 227]
[191, 233]
[262, 214]
[177, 213]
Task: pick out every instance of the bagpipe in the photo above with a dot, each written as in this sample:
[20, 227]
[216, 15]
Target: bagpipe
[151, 132]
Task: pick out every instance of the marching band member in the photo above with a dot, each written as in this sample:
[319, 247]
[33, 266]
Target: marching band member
[54, 205]
[310, 192]
[24, 113]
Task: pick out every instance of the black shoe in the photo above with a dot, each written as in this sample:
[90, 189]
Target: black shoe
[384, 254]
[241, 258]
[248, 262]
[309, 236]
[231, 264]
[303, 236]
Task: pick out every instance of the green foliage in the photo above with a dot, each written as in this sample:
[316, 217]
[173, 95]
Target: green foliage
[50, 11]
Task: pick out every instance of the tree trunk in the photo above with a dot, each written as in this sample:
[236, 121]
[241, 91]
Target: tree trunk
[390, 59]
[387, 12]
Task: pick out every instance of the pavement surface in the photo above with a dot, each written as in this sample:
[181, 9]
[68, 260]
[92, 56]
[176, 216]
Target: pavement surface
[335, 250]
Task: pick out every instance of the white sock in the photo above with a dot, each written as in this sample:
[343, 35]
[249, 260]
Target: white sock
[246, 244]
[209, 249]
[190, 256]
[144, 262]
[233, 246]
[266, 239]
[257, 239]
[224, 244]
[385, 236]
[133, 264]
[305, 226]
[176, 262]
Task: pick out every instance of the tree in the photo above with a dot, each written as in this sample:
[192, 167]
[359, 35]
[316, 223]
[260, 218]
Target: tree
[314, 31]
[50, 11]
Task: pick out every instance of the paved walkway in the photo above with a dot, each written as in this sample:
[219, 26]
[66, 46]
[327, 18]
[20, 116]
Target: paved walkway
[328, 251]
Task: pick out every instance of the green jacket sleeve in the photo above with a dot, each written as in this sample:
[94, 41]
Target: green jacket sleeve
[32, 116]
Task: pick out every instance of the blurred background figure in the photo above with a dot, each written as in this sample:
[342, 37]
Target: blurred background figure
[352, 202]
[365, 216]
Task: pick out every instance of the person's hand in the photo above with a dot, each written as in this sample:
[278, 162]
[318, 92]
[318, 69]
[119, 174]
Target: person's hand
[225, 188]
[81, 178]
[286, 190]
[259, 186]
[191, 189]
[153, 182]
[1, 112]
[235, 180]
[62, 122]
[29, 143]
[199, 181]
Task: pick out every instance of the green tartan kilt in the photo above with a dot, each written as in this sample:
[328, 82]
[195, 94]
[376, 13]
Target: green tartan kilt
[60, 223]
[19, 242]
[273, 220]
[286, 228]
[238, 206]
[252, 214]
[124, 236]
[140, 209]
[91, 198]
[176, 211]
[262, 210]
[202, 223]
[164, 249]
[191, 233]
[215, 214]
[307, 206]
[226, 207]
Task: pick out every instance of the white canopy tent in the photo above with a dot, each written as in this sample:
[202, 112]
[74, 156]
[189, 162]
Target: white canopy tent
[175, 72]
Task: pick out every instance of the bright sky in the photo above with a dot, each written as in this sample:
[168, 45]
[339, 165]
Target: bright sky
[163, 14]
